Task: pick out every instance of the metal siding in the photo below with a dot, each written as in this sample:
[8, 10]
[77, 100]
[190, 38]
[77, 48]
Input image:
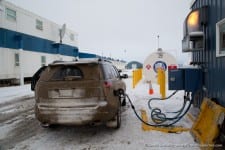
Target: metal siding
[214, 77]
[222, 7]
[26, 24]
[31, 43]
[88, 55]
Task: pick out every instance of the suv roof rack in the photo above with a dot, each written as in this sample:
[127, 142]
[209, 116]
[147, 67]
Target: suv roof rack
[101, 59]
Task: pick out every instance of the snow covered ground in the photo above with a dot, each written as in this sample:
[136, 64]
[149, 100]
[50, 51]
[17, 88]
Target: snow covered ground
[22, 131]
[15, 93]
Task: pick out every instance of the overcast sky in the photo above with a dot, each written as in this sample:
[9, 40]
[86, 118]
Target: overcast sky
[123, 29]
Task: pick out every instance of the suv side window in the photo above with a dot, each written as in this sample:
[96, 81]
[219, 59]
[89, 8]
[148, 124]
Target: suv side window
[116, 72]
[113, 71]
[108, 71]
[67, 71]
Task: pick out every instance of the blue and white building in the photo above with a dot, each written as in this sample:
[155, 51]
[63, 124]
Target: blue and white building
[28, 41]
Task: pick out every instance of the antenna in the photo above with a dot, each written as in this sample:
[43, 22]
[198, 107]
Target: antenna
[62, 32]
[158, 40]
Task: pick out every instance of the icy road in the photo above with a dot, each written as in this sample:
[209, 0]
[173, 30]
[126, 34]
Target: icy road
[20, 130]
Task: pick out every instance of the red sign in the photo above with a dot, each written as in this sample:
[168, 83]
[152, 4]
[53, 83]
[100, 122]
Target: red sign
[172, 67]
[148, 66]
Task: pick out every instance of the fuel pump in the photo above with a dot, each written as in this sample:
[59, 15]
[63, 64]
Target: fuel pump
[187, 79]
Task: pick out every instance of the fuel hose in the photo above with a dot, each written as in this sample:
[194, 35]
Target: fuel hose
[160, 118]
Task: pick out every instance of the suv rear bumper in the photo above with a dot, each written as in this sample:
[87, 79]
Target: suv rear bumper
[73, 115]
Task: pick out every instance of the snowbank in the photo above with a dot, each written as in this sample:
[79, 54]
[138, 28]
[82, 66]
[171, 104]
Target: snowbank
[15, 93]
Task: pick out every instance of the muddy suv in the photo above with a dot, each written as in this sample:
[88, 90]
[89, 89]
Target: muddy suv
[78, 93]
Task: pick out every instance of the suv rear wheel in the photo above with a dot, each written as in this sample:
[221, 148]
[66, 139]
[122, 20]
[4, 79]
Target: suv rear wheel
[118, 118]
[116, 122]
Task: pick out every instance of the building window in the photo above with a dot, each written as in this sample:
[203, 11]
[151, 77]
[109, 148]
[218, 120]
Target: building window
[72, 37]
[220, 38]
[17, 59]
[43, 60]
[39, 24]
[10, 14]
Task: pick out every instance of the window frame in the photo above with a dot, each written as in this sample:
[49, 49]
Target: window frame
[11, 14]
[39, 24]
[219, 25]
[43, 61]
[17, 59]
[72, 37]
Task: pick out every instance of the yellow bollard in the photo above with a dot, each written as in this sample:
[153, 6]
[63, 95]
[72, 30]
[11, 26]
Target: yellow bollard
[163, 85]
[162, 82]
[133, 79]
[137, 76]
[159, 76]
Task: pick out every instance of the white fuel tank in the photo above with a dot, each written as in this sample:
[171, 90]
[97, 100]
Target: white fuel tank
[156, 60]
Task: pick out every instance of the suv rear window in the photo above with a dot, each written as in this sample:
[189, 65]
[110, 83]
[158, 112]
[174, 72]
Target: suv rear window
[76, 72]
[68, 72]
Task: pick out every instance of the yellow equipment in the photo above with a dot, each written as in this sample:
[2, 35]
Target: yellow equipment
[206, 129]
[137, 76]
[162, 82]
[171, 129]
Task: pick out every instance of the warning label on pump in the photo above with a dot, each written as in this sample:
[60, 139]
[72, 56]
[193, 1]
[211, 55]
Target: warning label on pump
[148, 66]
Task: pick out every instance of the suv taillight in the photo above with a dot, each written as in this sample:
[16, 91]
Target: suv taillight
[107, 84]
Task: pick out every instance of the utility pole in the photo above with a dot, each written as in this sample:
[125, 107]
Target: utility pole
[158, 40]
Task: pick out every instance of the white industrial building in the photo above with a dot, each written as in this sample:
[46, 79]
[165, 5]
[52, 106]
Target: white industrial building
[28, 41]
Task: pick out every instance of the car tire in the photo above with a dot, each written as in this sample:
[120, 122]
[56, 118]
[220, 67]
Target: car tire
[116, 122]
[118, 118]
